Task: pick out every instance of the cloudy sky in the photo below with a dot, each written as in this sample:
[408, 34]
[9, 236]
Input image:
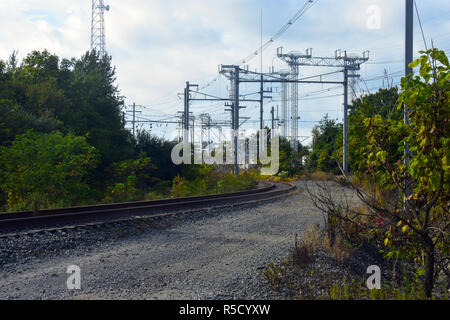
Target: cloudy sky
[158, 45]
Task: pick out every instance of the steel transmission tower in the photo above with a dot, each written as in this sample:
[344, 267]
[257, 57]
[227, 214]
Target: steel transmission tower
[292, 59]
[284, 123]
[98, 26]
[205, 125]
[350, 65]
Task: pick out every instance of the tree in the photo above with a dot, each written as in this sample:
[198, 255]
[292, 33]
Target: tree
[46, 170]
[76, 96]
[97, 108]
[131, 179]
[408, 206]
[327, 147]
[159, 151]
[326, 137]
[382, 103]
[287, 157]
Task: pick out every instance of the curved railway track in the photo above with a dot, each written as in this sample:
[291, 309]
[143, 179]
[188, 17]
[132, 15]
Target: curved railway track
[19, 223]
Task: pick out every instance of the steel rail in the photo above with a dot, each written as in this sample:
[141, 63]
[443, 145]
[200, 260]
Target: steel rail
[81, 215]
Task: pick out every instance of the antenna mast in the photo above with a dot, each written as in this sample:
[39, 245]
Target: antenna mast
[98, 26]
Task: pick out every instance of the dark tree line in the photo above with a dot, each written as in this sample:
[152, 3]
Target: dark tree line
[326, 149]
[78, 98]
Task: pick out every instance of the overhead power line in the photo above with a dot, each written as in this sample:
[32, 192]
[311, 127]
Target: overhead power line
[292, 21]
[421, 28]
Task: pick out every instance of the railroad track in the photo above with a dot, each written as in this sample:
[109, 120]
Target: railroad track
[20, 223]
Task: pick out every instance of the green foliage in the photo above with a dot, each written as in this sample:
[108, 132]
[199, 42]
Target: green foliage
[408, 289]
[123, 192]
[418, 227]
[326, 138]
[159, 151]
[336, 292]
[76, 97]
[428, 135]
[287, 157]
[405, 207]
[204, 180]
[73, 96]
[46, 170]
[382, 104]
[16, 119]
[229, 183]
[275, 275]
[147, 176]
[130, 179]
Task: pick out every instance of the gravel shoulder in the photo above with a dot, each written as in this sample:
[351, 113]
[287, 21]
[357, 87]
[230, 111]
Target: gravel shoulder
[215, 255]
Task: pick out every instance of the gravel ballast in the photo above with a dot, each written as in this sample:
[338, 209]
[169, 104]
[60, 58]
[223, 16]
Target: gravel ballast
[208, 255]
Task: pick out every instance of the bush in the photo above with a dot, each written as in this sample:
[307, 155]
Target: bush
[46, 171]
[406, 204]
[209, 180]
[317, 176]
[304, 253]
[130, 180]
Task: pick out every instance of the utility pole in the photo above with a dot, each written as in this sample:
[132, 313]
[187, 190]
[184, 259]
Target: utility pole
[409, 35]
[133, 122]
[186, 113]
[261, 102]
[205, 123]
[209, 130]
[193, 130]
[272, 112]
[134, 119]
[261, 144]
[261, 105]
[262, 138]
[261, 108]
[187, 102]
[294, 111]
[236, 119]
[409, 51]
[272, 131]
[345, 160]
[277, 119]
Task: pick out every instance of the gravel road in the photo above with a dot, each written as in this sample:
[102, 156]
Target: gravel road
[216, 256]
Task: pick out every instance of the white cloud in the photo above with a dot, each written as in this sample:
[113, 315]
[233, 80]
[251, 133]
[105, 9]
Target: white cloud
[157, 45]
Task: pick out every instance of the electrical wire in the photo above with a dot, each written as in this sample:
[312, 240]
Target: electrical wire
[421, 28]
[280, 32]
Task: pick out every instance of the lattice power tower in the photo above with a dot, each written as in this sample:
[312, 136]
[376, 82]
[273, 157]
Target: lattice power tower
[292, 59]
[350, 64]
[284, 121]
[98, 26]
